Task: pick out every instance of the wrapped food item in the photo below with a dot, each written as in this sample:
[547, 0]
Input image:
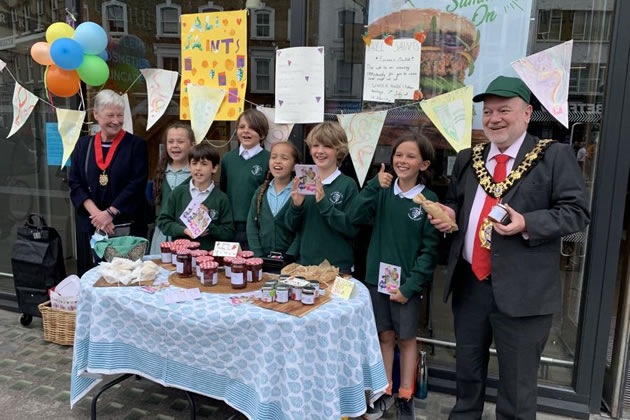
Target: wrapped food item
[324, 272]
[122, 270]
[434, 210]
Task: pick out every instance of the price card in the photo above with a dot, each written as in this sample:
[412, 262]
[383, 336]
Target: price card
[342, 288]
[226, 249]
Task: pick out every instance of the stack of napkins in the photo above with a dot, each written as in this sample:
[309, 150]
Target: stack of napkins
[122, 270]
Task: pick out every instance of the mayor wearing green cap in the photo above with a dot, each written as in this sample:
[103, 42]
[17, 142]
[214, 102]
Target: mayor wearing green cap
[513, 199]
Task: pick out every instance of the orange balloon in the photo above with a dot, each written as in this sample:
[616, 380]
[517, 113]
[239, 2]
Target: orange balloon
[62, 83]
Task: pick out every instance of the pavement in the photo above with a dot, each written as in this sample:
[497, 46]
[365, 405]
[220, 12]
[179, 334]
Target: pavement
[35, 384]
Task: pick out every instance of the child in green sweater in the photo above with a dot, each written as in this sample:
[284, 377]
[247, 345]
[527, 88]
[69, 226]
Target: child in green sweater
[266, 230]
[203, 161]
[321, 221]
[244, 169]
[403, 250]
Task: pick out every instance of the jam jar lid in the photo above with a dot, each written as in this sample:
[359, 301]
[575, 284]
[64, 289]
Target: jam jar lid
[228, 259]
[203, 258]
[308, 290]
[202, 252]
[254, 261]
[238, 260]
[181, 241]
[192, 244]
[208, 265]
[247, 254]
[183, 251]
[165, 244]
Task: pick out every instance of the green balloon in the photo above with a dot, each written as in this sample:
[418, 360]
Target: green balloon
[93, 71]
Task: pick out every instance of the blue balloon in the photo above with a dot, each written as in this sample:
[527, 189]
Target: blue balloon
[104, 55]
[66, 53]
[91, 37]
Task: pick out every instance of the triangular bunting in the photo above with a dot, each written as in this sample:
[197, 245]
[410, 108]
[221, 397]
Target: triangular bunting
[70, 123]
[2, 65]
[363, 130]
[546, 73]
[204, 104]
[23, 104]
[277, 132]
[451, 113]
[127, 122]
[160, 87]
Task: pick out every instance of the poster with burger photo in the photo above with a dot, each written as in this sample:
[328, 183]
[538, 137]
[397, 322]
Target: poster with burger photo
[464, 42]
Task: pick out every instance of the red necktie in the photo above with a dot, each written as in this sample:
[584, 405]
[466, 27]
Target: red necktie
[480, 255]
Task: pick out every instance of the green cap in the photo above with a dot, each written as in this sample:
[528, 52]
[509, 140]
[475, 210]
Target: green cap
[506, 87]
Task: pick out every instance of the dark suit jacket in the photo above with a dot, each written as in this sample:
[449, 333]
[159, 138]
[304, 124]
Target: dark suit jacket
[551, 198]
[125, 190]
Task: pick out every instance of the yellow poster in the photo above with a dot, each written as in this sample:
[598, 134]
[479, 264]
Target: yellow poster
[214, 54]
[452, 115]
[70, 123]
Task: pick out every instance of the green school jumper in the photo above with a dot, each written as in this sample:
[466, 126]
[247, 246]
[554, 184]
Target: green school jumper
[221, 228]
[402, 236]
[325, 229]
[270, 232]
[240, 178]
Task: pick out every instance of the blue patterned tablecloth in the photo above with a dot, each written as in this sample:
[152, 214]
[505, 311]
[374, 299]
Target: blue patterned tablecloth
[266, 364]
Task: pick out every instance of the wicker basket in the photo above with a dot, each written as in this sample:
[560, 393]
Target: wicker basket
[58, 324]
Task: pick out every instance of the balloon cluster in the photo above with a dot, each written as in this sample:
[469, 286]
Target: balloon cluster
[72, 55]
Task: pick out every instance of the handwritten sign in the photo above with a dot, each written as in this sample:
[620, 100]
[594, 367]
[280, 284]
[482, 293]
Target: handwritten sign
[342, 288]
[391, 72]
[300, 85]
[226, 249]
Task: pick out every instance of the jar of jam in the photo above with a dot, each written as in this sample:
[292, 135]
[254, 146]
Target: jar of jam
[174, 248]
[296, 293]
[315, 285]
[282, 293]
[217, 259]
[209, 273]
[196, 254]
[268, 294]
[184, 263]
[247, 254]
[227, 265]
[254, 269]
[308, 295]
[238, 275]
[193, 245]
[165, 250]
[201, 259]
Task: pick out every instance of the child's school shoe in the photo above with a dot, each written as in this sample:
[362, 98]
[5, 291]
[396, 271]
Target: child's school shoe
[406, 409]
[380, 407]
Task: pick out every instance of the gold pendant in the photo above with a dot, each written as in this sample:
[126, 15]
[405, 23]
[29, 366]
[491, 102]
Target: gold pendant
[103, 179]
[485, 233]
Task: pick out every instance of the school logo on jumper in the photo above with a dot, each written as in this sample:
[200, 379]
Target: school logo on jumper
[336, 197]
[257, 170]
[213, 214]
[415, 213]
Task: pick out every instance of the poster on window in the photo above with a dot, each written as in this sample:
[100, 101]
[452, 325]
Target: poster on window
[463, 42]
[214, 54]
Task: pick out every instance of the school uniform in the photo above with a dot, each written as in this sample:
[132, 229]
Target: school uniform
[325, 229]
[221, 228]
[269, 232]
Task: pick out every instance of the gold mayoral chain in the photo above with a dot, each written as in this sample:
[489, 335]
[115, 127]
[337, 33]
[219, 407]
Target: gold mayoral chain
[497, 190]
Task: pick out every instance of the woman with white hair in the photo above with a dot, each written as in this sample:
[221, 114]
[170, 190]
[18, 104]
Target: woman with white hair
[108, 177]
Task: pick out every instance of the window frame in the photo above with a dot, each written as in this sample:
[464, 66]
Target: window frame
[263, 9]
[159, 8]
[210, 8]
[105, 17]
[260, 54]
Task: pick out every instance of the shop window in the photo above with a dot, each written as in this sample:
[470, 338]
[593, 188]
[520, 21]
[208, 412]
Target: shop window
[114, 15]
[344, 17]
[343, 78]
[167, 21]
[262, 71]
[210, 7]
[263, 22]
[579, 25]
[587, 79]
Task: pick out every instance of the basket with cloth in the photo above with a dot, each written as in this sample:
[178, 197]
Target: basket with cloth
[130, 247]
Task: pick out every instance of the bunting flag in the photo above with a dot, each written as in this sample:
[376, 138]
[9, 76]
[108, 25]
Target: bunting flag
[2, 65]
[23, 104]
[204, 104]
[452, 113]
[127, 122]
[160, 87]
[70, 123]
[363, 130]
[277, 132]
[546, 73]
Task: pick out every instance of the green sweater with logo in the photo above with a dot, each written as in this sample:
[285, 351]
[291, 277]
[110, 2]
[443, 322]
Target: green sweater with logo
[240, 178]
[221, 228]
[324, 229]
[402, 236]
[269, 233]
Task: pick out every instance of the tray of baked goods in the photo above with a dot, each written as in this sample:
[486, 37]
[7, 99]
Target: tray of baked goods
[122, 272]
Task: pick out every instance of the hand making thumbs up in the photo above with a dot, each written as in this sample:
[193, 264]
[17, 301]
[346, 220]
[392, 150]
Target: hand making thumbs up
[384, 178]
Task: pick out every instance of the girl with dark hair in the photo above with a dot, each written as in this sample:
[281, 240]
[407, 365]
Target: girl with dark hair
[171, 171]
[403, 242]
[266, 230]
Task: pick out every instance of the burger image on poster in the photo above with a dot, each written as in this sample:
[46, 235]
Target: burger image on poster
[450, 45]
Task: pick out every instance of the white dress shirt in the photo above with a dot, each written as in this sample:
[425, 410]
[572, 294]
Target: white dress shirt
[409, 194]
[197, 194]
[329, 180]
[249, 153]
